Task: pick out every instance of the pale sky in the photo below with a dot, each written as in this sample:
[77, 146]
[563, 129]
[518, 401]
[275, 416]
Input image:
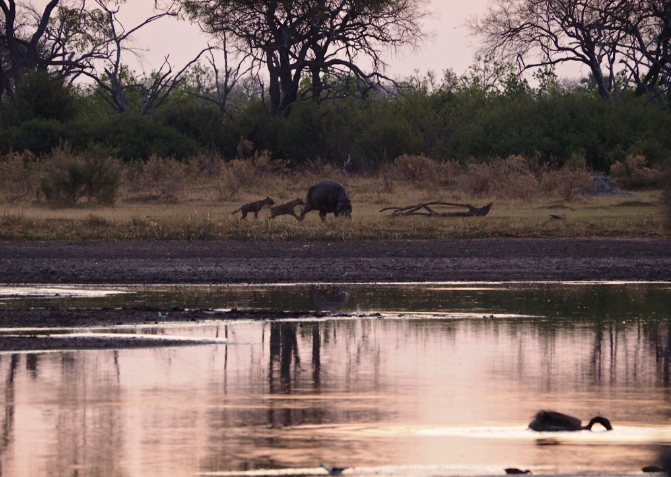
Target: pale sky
[451, 46]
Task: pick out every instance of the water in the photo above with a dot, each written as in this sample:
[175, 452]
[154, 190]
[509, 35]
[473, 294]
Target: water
[427, 388]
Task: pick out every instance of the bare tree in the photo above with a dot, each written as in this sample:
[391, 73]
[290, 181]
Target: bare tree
[19, 47]
[70, 38]
[549, 32]
[623, 42]
[113, 79]
[235, 69]
[334, 37]
[647, 50]
[156, 88]
[55, 39]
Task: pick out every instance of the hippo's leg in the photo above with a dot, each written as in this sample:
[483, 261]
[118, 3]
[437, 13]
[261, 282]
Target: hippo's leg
[336, 213]
[322, 215]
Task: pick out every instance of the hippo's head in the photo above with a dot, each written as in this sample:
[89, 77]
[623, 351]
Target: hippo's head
[345, 208]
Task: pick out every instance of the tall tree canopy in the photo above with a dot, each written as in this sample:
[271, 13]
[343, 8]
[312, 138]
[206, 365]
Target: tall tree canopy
[621, 41]
[315, 37]
[31, 40]
[647, 26]
[70, 38]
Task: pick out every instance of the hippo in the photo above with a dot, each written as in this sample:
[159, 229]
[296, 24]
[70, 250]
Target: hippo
[327, 196]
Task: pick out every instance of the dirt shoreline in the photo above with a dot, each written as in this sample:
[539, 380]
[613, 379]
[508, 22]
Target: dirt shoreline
[286, 262]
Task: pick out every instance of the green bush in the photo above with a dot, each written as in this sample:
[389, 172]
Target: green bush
[139, 137]
[458, 121]
[93, 175]
[38, 136]
[304, 134]
[39, 96]
[133, 137]
[386, 136]
[254, 124]
[667, 199]
[202, 123]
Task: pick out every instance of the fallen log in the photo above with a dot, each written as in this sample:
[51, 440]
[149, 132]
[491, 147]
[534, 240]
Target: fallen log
[429, 212]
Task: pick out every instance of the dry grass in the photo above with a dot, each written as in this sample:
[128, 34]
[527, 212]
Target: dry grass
[634, 173]
[166, 200]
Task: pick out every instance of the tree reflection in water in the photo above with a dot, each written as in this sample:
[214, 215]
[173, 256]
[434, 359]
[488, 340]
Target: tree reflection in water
[283, 356]
[316, 356]
[8, 417]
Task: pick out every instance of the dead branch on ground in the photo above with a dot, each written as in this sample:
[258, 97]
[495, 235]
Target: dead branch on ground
[429, 212]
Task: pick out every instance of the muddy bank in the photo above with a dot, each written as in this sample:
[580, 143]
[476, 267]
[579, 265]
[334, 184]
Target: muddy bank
[250, 262]
[50, 329]
[64, 318]
[284, 262]
[71, 343]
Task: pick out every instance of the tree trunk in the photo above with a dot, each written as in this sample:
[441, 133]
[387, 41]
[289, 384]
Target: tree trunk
[283, 87]
[288, 85]
[316, 84]
[273, 86]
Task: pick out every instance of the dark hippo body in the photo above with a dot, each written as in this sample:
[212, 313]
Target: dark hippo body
[327, 197]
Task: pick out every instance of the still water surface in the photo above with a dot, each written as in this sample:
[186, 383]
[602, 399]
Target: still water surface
[429, 388]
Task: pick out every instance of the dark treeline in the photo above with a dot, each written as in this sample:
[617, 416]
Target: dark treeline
[446, 120]
[293, 85]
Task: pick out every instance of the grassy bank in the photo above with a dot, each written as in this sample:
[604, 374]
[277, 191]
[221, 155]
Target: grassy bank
[205, 224]
[170, 200]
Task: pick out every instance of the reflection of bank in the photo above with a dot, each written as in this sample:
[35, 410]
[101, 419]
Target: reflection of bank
[328, 301]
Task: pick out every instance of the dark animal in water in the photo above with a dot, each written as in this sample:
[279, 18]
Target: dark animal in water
[652, 468]
[327, 197]
[333, 470]
[286, 209]
[551, 421]
[255, 207]
[515, 471]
